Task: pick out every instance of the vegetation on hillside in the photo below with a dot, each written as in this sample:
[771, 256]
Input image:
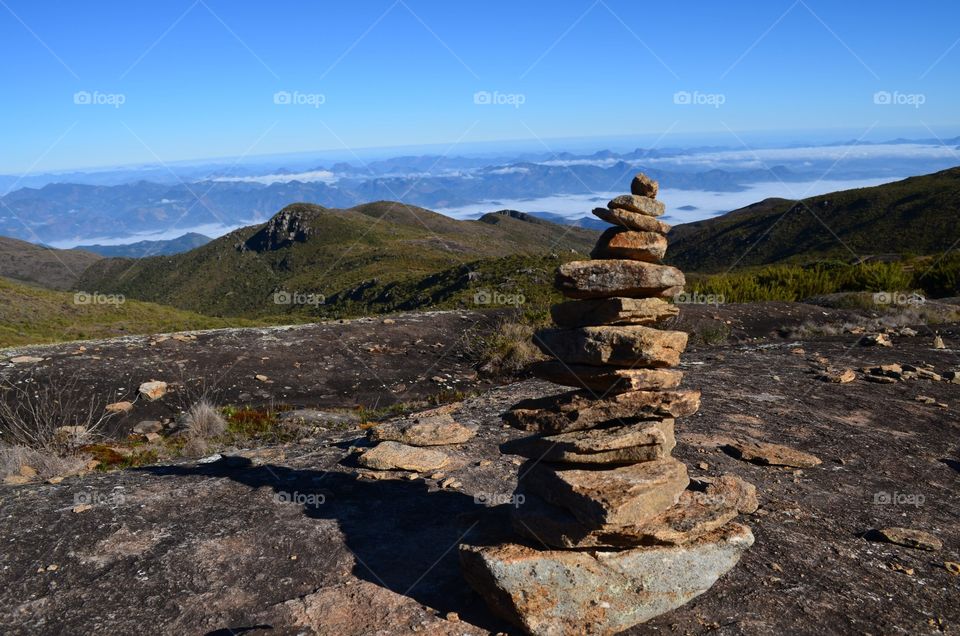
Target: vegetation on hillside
[912, 217]
[29, 316]
[386, 254]
[929, 277]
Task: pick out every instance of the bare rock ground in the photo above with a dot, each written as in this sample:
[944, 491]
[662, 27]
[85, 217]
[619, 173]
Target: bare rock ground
[287, 539]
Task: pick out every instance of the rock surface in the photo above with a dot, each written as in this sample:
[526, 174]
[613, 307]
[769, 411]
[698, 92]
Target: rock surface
[396, 456]
[564, 592]
[644, 186]
[431, 430]
[627, 444]
[616, 497]
[153, 390]
[612, 311]
[767, 454]
[695, 514]
[577, 410]
[604, 380]
[632, 220]
[628, 346]
[637, 204]
[910, 538]
[649, 247]
[608, 278]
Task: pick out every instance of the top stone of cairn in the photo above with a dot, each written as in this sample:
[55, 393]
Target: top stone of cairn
[644, 186]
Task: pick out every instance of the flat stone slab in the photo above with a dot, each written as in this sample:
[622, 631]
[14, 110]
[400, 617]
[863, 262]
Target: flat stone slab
[396, 456]
[432, 430]
[632, 220]
[579, 410]
[908, 537]
[604, 380]
[617, 242]
[612, 311]
[618, 277]
[614, 445]
[613, 497]
[561, 592]
[638, 204]
[766, 454]
[629, 346]
[698, 511]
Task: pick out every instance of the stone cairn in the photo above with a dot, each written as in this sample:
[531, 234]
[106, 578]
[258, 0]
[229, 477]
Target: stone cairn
[615, 532]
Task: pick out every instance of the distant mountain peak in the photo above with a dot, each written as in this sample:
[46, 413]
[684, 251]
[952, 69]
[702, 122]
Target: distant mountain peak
[494, 217]
[288, 226]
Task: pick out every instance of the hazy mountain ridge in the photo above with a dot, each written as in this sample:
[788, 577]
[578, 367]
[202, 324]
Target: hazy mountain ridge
[142, 249]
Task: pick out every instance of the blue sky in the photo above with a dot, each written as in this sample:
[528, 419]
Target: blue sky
[201, 79]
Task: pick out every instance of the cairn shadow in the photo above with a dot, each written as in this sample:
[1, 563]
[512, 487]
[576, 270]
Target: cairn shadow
[403, 537]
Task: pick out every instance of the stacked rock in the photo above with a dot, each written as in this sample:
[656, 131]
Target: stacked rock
[621, 534]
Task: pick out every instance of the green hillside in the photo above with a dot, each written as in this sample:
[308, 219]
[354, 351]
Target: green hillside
[30, 315]
[916, 216]
[307, 252]
[44, 266]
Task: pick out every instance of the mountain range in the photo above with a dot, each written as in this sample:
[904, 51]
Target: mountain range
[915, 216]
[141, 249]
[309, 255]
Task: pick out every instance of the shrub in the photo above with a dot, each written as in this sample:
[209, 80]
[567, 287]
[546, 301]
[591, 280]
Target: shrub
[204, 421]
[507, 349]
[49, 416]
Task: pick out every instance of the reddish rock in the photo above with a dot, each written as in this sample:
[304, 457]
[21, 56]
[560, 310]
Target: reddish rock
[617, 242]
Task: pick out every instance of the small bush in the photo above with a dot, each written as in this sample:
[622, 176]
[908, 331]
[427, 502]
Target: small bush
[507, 350]
[204, 421]
[16, 460]
[49, 415]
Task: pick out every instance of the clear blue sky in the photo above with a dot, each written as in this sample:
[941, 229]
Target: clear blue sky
[198, 79]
